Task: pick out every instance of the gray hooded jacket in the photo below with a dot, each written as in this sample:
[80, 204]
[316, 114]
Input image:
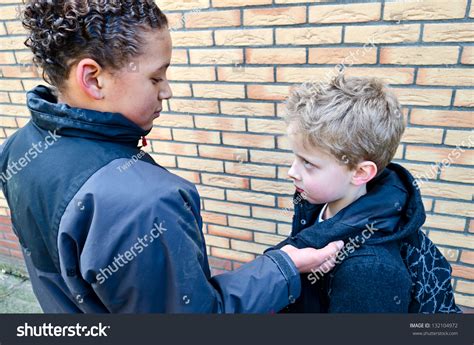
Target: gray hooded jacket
[105, 229]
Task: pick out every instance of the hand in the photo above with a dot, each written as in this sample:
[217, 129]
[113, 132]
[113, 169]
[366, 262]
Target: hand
[308, 259]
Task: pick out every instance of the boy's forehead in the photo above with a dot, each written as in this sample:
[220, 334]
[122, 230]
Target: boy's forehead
[303, 148]
[298, 144]
[157, 49]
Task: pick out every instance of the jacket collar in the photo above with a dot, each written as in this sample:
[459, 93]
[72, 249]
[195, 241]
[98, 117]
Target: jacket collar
[392, 205]
[48, 114]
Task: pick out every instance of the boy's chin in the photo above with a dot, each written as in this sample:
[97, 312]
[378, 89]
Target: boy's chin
[147, 126]
[315, 201]
[309, 199]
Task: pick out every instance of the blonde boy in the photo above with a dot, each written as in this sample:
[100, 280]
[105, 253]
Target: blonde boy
[344, 137]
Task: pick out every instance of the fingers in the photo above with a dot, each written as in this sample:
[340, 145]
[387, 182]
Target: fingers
[288, 248]
[328, 256]
[324, 259]
[331, 249]
[308, 259]
[327, 265]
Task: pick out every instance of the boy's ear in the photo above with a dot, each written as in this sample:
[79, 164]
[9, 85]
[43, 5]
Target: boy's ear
[88, 78]
[364, 172]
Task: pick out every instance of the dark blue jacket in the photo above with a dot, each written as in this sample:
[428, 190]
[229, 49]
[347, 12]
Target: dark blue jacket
[371, 275]
[106, 229]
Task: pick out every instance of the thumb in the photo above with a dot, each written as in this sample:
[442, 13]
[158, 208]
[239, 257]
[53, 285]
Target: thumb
[331, 249]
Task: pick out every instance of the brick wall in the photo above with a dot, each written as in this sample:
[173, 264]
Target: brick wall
[235, 61]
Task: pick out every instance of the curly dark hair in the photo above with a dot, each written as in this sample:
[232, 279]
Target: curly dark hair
[62, 33]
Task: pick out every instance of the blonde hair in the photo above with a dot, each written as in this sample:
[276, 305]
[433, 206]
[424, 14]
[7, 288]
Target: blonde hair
[354, 119]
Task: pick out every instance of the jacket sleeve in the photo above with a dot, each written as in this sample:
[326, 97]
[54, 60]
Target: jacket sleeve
[140, 249]
[364, 288]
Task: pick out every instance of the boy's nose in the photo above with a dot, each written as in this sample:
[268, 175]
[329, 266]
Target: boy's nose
[166, 92]
[292, 173]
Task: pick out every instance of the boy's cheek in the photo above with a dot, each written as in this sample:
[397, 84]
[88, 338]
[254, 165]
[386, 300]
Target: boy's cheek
[311, 195]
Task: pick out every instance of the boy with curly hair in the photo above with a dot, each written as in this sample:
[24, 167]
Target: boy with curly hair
[104, 228]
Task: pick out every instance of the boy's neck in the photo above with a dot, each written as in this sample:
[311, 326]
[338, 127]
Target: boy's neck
[61, 99]
[71, 101]
[334, 207]
[77, 101]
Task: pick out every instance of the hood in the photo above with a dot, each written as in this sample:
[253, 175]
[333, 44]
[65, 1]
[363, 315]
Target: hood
[48, 114]
[392, 208]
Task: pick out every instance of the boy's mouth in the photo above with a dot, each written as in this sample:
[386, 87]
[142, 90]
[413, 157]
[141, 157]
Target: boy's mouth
[157, 114]
[299, 190]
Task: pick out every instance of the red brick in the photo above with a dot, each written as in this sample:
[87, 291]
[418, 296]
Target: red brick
[468, 55]
[268, 92]
[232, 254]
[248, 140]
[277, 56]
[467, 256]
[419, 55]
[245, 74]
[275, 16]
[230, 232]
[239, 3]
[244, 37]
[220, 152]
[370, 34]
[304, 36]
[216, 56]
[462, 271]
[214, 218]
[222, 90]
[445, 76]
[225, 181]
[410, 96]
[227, 207]
[449, 32]
[195, 136]
[448, 118]
[221, 264]
[169, 5]
[212, 19]
[192, 38]
[424, 10]
[253, 170]
[247, 108]
[251, 198]
[464, 98]
[347, 56]
[344, 13]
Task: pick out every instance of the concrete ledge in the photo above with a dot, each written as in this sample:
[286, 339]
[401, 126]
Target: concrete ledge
[13, 266]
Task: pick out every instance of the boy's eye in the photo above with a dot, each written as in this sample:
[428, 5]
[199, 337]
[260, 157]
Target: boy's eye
[155, 81]
[307, 164]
